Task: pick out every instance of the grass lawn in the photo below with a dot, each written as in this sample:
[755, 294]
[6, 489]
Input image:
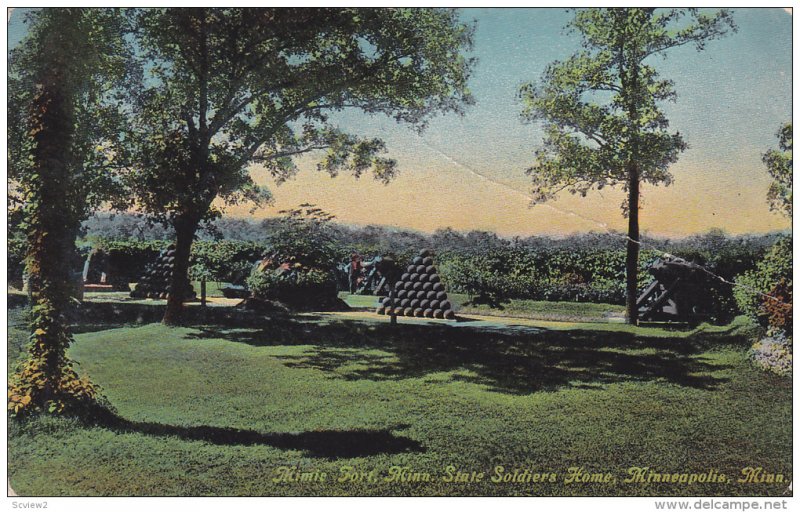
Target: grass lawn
[518, 308]
[218, 411]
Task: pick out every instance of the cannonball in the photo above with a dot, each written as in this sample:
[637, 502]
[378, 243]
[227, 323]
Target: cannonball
[434, 304]
[449, 315]
[438, 313]
[430, 295]
[434, 278]
[441, 295]
[423, 278]
[417, 260]
[418, 312]
[414, 303]
[417, 285]
[171, 252]
[411, 269]
[425, 303]
[439, 287]
[424, 252]
[405, 302]
[399, 285]
[401, 294]
[427, 286]
[414, 277]
[405, 276]
[445, 304]
[398, 311]
[428, 313]
[408, 312]
[430, 269]
[420, 269]
[409, 285]
[427, 260]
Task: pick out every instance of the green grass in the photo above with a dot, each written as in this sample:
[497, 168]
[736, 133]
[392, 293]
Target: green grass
[215, 411]
[516, 308]
[542, 310]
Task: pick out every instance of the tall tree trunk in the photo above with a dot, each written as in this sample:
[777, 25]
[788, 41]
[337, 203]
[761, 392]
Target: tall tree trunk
[46, 380]
[180, 286]
[50, 252]
[632, 252]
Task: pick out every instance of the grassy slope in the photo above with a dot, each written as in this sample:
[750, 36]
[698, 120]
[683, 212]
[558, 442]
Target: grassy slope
[216, 411]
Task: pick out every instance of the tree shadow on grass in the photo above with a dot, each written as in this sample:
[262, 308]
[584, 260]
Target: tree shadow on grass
[329, 444]
[516, 360]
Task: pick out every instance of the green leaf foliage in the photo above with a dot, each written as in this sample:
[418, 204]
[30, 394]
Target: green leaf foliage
[223, 89]
[779, 165]
[754, 287]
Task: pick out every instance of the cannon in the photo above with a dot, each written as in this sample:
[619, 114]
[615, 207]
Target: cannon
[371, 277]
[676, 292]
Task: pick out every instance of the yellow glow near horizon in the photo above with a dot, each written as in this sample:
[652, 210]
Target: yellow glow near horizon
[427, 199]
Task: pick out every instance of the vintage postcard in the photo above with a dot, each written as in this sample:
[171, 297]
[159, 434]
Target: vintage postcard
[400, 251]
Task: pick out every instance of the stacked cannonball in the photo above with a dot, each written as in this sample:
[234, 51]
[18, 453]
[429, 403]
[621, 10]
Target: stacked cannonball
[156, 283]
[419, 292]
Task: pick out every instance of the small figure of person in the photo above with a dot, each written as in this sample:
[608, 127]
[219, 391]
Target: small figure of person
[354, 271]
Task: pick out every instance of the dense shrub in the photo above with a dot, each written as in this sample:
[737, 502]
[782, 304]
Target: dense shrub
[585, 276]
[223, 261]
[300, 268]
[128, 259]
[753, 285]
[226, 261]
[294, 286]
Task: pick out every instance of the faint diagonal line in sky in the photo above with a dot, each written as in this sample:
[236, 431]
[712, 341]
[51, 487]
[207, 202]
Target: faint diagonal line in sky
[596, 222]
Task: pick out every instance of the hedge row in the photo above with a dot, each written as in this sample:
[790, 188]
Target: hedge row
[530, 271]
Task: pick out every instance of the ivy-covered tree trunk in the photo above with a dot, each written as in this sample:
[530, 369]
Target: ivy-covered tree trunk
[180, 286]
[46, 380]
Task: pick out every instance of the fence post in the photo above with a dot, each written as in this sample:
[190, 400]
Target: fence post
[203, 292]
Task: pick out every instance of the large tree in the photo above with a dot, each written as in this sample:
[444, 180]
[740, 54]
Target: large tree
[600, 109]
[228, 88]
[61, 79]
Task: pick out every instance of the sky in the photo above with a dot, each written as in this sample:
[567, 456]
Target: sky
[469, 172]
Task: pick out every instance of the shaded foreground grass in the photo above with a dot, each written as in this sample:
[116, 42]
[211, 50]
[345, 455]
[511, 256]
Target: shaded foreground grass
[219, 411]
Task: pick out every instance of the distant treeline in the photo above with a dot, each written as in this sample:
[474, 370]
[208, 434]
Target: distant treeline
[375, 238]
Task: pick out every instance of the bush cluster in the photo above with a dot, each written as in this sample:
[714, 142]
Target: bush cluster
[293, 286]
[764, 293]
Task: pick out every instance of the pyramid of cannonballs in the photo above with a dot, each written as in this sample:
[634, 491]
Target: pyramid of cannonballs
[419, 292]
[156, 283]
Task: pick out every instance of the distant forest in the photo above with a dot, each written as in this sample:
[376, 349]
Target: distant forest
[125, 226]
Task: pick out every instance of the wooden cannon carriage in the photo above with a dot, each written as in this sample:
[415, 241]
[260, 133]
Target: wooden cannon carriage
[675, 294]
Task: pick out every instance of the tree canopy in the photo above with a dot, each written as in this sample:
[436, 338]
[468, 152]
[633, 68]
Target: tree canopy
[227, 88]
